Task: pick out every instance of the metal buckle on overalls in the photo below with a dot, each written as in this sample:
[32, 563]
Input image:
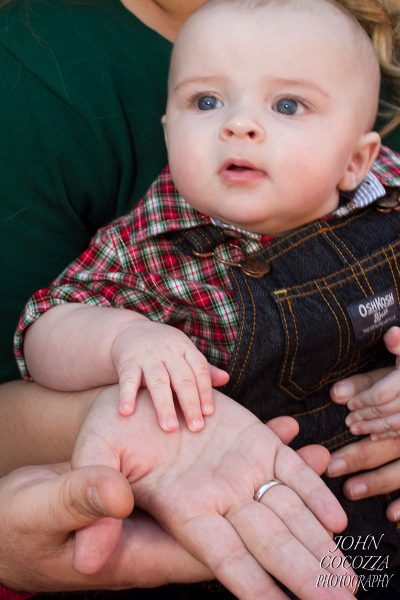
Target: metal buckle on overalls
[250, 265]
[388, 203]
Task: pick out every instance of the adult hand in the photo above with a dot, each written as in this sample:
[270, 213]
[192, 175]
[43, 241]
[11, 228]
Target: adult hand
[40, 508]
[200, 488]
[374, 398]
[381, 458]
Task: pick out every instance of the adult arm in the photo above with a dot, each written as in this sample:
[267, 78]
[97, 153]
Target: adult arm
[38, 425]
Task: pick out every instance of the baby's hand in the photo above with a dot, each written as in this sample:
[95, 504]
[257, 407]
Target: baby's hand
[163, 359]
[374, 398]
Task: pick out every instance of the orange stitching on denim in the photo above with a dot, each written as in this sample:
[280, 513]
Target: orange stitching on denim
[345, 259]
[375, 265]
[238, 341]
[289, 378]
[337, 440]
[322, 228]
[285, 358]
[324, 380]
[346, 321]
[334, 374]
[313, 410]
[296, 333]
[250, 345]
[392, 271]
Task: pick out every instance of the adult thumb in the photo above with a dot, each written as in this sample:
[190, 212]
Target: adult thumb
[75, 498]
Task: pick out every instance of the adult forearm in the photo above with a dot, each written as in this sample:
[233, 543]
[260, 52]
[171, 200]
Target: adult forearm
[38, 425]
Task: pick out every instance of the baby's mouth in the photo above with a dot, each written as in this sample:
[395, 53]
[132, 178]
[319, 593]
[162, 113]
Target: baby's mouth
[239, 168]
[240, 172]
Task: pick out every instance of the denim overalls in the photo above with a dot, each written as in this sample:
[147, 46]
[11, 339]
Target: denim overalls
[332, 289]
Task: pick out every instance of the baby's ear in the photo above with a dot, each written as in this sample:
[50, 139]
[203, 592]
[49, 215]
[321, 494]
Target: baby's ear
[365, 152]
[164, 125]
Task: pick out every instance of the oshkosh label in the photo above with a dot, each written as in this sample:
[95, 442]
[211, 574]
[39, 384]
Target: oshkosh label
[374, 312]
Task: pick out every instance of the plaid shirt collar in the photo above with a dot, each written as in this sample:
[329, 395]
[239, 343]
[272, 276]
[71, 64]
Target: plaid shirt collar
[163, 210]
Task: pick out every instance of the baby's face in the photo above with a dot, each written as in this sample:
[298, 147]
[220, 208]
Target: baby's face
[265, 109]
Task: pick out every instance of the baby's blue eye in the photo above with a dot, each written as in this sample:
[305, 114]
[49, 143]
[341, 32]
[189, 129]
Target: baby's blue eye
[208, 103]
[287, 106]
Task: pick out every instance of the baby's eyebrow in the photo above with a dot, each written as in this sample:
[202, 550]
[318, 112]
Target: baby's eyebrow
[297, 83]
[199, 80]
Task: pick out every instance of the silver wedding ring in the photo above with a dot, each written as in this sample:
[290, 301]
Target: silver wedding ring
[265, 487]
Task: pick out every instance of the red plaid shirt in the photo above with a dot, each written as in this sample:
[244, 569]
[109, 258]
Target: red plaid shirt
[6, 594]
[133, 264]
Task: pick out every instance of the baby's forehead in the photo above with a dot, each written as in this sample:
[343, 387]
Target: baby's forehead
[228, 19]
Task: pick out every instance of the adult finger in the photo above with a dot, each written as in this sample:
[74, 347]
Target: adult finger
[362, 455]
[282, 554]
[315, 456]
[286, 428]
[393, 511]
[377, 482]
[291, 470]
[228, 558]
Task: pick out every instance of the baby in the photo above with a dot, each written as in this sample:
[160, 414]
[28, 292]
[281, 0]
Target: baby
[266, 254]
[263, 136]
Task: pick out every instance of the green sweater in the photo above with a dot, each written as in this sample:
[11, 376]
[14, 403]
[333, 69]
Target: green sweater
[82, 88]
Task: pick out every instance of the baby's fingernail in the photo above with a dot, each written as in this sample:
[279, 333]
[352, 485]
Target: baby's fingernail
[170, 424]
[357, 490]
[343, 389]
[336, 467]
[196, 424]
[208, 409]
[125, 409]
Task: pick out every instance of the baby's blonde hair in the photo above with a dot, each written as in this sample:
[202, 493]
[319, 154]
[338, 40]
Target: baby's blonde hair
[381, 20]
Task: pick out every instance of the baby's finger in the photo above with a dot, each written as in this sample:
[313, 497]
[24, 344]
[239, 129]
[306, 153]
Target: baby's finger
[159, 385]
[378, 437]
[345, 389]
[392, 342]
[184, 384]
[130, 378]
[384, 391]
[218, 376]
[374, 412]
[390, 423]
[200, 367]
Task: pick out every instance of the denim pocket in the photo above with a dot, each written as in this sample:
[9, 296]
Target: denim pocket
[324, 336]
